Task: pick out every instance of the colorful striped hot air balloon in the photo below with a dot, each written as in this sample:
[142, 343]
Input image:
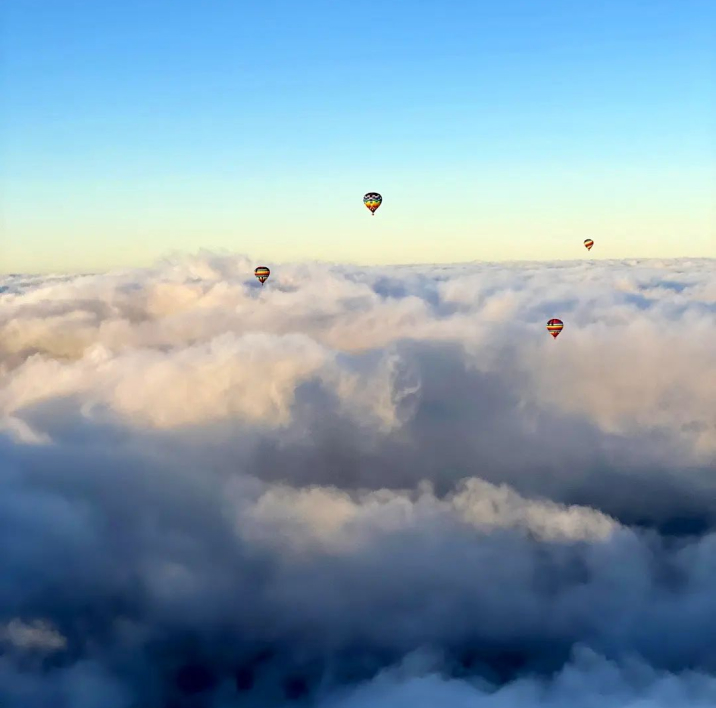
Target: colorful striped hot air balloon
[588, 243]
[262, 273]
[554, 327]
[372, 200]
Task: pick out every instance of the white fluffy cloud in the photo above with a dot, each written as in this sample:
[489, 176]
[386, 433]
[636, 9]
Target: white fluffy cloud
[217, 492]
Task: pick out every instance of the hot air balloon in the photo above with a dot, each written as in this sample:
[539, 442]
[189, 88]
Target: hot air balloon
[262, 273]
[554, 327]
[372, 200]
[588, 243]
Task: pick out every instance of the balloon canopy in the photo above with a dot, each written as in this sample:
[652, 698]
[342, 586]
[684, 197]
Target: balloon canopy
[554, 327]
[372, 200]
[262, 273]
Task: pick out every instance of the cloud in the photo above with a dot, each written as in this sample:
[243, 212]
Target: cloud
[589, 682]
[359, 486]
[34, 635]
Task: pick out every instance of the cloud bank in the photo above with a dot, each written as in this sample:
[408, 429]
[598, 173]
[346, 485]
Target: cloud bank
[359, 486]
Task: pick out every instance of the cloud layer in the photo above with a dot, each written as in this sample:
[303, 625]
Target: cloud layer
[359, 486]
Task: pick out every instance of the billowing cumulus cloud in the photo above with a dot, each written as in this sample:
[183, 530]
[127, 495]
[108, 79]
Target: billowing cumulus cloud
[359, 486]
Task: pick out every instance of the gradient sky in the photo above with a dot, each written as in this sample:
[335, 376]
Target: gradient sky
[494, 130]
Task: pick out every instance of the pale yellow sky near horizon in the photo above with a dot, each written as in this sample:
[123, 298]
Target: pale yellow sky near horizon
[505, 216]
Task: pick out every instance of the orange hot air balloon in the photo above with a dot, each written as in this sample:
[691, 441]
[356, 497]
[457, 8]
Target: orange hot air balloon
[554, 327]
[262, 273]
[588, 243]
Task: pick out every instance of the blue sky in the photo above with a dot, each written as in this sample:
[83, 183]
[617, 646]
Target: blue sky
[493, 130]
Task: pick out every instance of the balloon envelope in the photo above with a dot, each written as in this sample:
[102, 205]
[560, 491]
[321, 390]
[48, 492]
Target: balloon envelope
[372, 200]
[589, 243]
[262, 273]
[554, 327]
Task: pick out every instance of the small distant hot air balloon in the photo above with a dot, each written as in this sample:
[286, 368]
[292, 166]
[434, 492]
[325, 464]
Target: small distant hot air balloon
[372, 200]
[554, 327]
[262, 273]
[588, 243]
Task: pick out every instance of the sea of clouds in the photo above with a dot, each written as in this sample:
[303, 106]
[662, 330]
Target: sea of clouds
[353, 487]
